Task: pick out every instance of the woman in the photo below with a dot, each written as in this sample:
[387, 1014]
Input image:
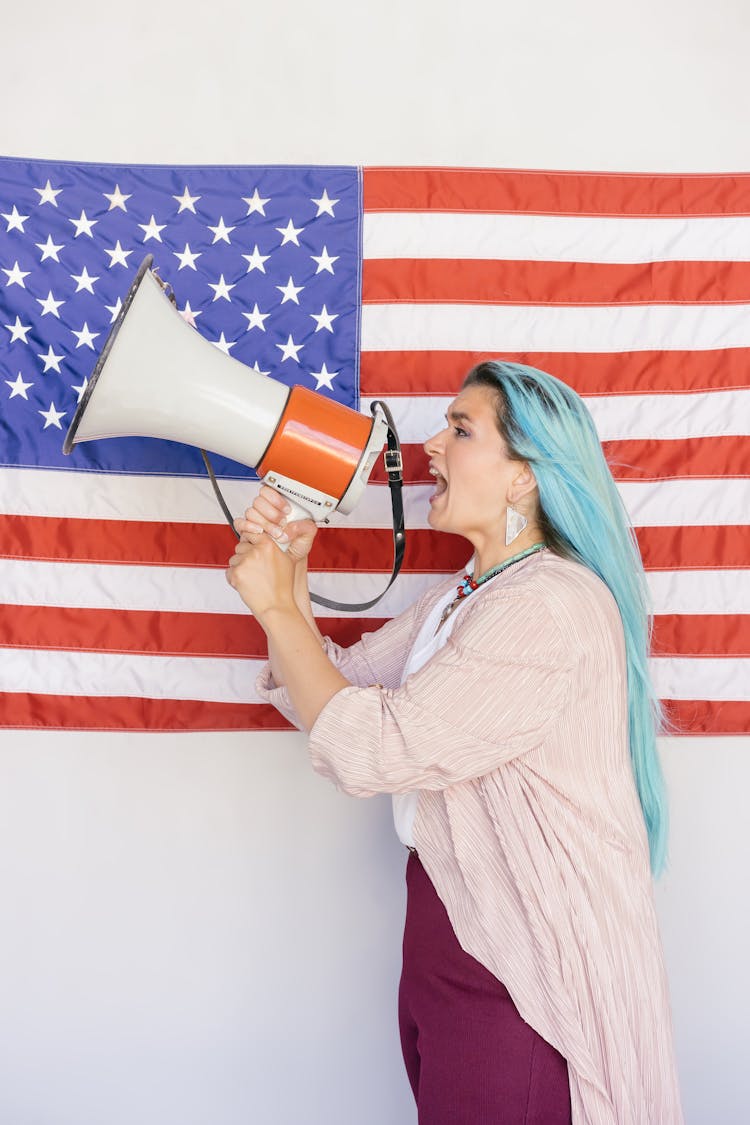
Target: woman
[513, 720]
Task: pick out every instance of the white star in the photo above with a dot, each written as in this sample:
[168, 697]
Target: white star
[255, 319]
[223, 344]
[116, 199]
[18, 331]
[289, 233]
[221, 289]
[289, 350]
[48, 194]
[118, 256]
[256, 259]
[151, 229]
[50, 305]
[51, 360]
[18, 387]
[114, 310]
[85, 337]
[85, 281]
[186, 201]
[81, 387]
[290, 291]
[16, 275]
[324, 319]
[49, 249]
[324, 377]
[83, 225]
[325, 204]
[325, 261]
[189, 314]
[255, 203]
[221, 232]
[256, 366]
[52, 416]
[187, 258]
[15, 221]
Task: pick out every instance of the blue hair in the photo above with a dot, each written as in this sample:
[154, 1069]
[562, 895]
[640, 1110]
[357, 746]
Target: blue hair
[544, 423]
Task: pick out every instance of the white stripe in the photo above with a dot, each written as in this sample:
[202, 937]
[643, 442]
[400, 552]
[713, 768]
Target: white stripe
[556, 238]
[617, 417]
[519, 328]
[40, 492]
[147, 677]
[203, 590]
[698, 677]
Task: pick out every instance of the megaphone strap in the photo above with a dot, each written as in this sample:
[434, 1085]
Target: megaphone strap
[394, 470]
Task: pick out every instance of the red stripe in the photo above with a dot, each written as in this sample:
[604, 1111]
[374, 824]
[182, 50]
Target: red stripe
[706, 716]
[632, 460]
[152, 632]
[555, 193]
[367, 550]
[442, 372]
[56, 712]
[705, 634]
[477, 282]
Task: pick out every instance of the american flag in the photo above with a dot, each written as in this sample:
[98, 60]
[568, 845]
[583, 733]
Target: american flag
[362, 284]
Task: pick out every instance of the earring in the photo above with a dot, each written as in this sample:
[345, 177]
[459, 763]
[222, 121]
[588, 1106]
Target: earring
[514, 525]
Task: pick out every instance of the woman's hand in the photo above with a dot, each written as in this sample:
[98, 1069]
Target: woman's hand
[262, 575]
[268, 515]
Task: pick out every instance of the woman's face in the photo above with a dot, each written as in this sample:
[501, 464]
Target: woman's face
[475, 479]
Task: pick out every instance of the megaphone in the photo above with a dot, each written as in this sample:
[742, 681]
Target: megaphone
[157, 377]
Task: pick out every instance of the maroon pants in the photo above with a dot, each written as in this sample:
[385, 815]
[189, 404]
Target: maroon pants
[470, 1058]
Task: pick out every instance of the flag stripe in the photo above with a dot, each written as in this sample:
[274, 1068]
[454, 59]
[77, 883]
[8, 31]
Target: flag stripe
[708, 716]
[678, 634]
[451, 281]
[29, 710]
[536, 192]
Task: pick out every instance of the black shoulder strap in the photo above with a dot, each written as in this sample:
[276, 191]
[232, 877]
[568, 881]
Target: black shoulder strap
[394, 469]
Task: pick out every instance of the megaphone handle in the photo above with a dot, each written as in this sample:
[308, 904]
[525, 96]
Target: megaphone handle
[297, 513]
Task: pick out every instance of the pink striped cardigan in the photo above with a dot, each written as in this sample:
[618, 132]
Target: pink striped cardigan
[528, 822]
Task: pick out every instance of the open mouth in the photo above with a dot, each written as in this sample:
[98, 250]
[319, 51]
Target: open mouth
[440, 483]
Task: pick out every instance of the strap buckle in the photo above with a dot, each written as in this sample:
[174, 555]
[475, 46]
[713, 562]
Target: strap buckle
[393, 461]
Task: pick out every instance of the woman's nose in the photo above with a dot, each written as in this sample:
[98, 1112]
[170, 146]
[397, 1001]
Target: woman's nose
[434, 443]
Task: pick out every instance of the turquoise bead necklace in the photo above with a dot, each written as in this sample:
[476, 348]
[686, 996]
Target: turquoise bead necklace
[468, 585]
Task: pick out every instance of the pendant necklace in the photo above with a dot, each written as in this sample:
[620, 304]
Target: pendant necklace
[468, 585]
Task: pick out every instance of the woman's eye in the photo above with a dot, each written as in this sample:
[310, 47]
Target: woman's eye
[459, 432]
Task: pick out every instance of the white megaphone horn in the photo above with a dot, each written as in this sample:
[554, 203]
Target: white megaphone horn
[157, 377]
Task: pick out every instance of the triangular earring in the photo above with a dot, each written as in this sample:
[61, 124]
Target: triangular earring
[514, 525]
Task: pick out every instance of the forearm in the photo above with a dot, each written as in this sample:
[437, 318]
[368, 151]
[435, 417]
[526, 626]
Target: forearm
[302, 600]
[301, 663]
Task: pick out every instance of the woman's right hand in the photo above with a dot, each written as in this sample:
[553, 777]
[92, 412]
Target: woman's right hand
[268, 515]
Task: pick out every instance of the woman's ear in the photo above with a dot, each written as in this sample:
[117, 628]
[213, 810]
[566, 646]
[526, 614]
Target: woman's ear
[523, 484]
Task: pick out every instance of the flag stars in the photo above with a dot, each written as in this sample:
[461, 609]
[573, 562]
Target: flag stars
[325, 261]
[221, 289]
[48, 194]
[53, 416]
[289, 233]
[255, 205]
[256, 318]
[114, 310]
[257, 370]
[186, 258]
[189, 314]
[16, 276]
[325, 204]
[324, 378]
[85, 337]
[15, 221]
[186, 201]
[221, 232]
[50, 249]
[84, 281]
[118, 256]
[290, 291]
[49, 304]
[151, 229]
[81, 388]
[18, 386]
[324, 319]
[290, 350]
[256, 259]
[83, 225]
[223, 344]
[117, 200]
[18, 331]
[51, 361]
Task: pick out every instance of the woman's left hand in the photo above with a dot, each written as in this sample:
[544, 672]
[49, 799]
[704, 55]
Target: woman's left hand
[262, 574]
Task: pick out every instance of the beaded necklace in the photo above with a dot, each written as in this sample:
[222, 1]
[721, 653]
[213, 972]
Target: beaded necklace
[468, 585]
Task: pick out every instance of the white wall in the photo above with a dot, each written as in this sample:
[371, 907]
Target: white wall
[196, 929]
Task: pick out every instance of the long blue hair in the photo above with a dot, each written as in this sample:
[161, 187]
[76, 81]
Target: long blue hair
[544, 423]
